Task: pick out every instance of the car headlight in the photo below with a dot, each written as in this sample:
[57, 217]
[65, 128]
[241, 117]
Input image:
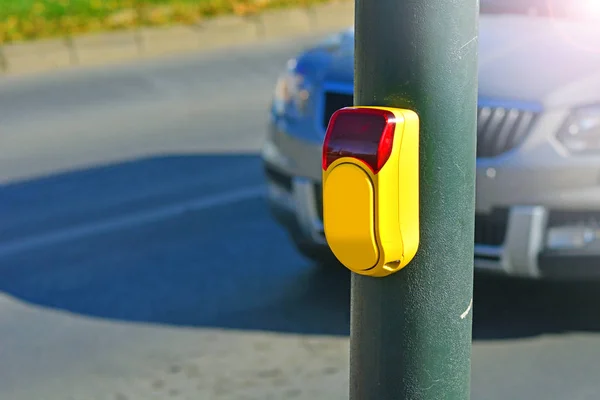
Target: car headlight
[581, 133]
[292, 93]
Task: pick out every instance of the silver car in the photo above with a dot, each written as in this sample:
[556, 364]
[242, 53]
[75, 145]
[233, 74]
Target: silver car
[538, 151]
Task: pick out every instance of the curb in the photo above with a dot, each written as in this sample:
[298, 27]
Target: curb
[212, 34]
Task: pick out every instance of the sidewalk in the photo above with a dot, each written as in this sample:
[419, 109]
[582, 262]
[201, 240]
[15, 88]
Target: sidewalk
[84, 358]
[221, 32]
[250, 366]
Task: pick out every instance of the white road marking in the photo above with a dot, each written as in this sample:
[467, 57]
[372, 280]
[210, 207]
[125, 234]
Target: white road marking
[128, 221]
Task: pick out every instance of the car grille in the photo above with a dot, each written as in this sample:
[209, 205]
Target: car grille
[499, 129]
[559, 218]
[490, 229]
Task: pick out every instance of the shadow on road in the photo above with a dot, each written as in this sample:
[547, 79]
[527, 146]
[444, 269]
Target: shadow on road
[503, 308]
[511, 308]
[227, 266]
[318, 303]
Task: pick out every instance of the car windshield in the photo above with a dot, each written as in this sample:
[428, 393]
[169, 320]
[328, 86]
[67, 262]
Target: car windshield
[567, 9]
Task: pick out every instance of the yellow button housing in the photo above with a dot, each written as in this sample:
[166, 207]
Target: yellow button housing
[371, 218]
[349, 216]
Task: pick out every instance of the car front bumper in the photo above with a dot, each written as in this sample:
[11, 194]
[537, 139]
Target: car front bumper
[511, 236]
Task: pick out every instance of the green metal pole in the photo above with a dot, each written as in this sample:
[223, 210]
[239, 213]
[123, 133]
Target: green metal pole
[411, 332]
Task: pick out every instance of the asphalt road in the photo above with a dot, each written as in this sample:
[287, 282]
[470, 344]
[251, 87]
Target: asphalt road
[138, 259]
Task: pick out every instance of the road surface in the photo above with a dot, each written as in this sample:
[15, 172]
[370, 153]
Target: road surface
[138, 259]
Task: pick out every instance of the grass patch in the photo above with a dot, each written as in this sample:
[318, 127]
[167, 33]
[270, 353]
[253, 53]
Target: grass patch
[34, 19]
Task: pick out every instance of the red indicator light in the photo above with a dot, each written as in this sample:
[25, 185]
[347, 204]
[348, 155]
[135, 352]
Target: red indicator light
[366, 134]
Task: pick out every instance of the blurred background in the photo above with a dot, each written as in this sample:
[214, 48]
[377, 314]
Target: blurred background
[160, 231]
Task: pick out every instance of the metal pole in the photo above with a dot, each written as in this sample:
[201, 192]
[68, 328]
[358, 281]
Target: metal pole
[411, 331]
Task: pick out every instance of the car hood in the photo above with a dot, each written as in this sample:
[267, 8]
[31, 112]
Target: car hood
[553, 63]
